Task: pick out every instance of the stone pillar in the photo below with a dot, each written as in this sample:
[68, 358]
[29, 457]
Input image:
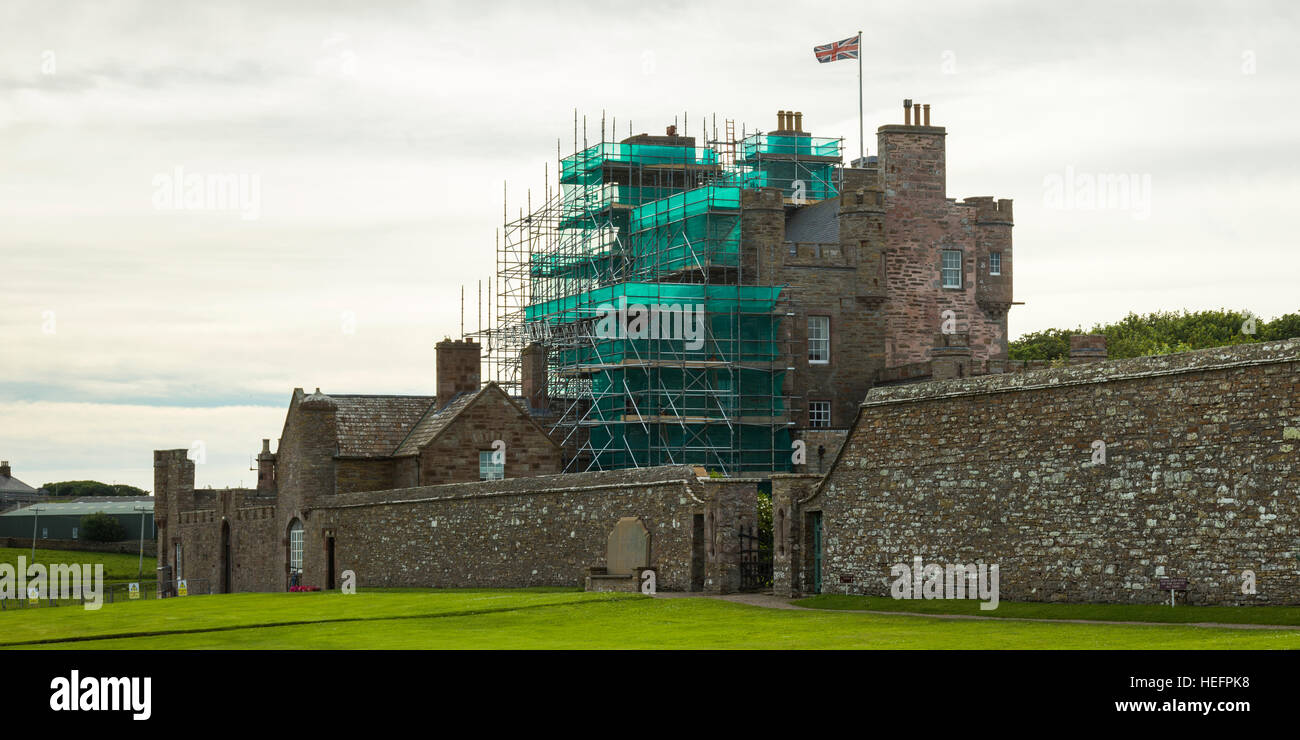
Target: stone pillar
[788, 490]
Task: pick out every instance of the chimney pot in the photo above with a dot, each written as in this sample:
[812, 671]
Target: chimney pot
[672, 130]
[798, 121]
[926, 108]
[907, 112]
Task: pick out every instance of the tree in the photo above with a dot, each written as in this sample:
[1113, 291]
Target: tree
[100, 527]
[81, 488]
[1160, 333]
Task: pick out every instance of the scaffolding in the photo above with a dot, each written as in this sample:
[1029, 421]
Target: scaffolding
[660, 350]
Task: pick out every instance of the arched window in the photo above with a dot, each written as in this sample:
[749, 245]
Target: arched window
[295, 553]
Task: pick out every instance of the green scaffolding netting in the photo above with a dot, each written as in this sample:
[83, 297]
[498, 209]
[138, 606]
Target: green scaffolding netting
[683, 372]
[694, 229]
[631, 216]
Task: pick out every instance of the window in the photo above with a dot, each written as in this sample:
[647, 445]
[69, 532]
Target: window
[488, 470]
[176, 561]
[295, 552]
[819, 340]
[952, 268]
[45, 533]
[819, 413]
[995, 263]
[74, 533]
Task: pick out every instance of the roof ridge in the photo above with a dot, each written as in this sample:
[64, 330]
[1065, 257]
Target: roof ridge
[416, 425]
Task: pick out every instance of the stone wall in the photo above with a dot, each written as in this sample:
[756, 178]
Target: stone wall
[545, 530]
[542, 531]
[921, 222]
[454, 456]
[840, 281]
[248, 520]
[1200, 480]
[829, 440]
[126, 546]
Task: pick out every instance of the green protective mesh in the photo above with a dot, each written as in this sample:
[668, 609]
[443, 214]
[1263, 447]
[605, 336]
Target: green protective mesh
[709, 391]
[697, 228]
[702, 375]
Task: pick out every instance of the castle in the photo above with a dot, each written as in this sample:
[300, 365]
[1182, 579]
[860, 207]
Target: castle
[840, 303]
[817, 281]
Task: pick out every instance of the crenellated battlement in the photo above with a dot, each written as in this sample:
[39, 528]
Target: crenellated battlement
[990, 211]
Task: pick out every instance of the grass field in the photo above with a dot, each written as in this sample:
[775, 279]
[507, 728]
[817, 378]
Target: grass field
[1280, 615]
[560, 618]
[118, 567]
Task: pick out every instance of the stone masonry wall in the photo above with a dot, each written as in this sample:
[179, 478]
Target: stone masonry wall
[1200, 480]
[454, 456]
[542, 531]
[921, 222]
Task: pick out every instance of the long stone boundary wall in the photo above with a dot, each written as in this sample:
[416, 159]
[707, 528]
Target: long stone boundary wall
[536, 531]
[540, 531]
[1200, 481]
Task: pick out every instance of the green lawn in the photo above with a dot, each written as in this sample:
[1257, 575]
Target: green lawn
[118, 567]
[558, 618]
[1280, 615]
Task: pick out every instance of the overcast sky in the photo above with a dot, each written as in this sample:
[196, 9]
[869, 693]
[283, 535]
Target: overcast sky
[373, 140]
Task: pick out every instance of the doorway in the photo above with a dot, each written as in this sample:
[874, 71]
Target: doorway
[227, 568]
[697, 553]
[329, 563]
[815, 538]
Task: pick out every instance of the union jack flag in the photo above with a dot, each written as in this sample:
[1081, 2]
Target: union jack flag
[837, 50]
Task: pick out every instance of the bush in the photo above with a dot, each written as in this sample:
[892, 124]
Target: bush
[100, 527]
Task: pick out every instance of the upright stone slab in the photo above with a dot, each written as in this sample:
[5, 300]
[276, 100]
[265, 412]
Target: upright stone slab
[628, 547]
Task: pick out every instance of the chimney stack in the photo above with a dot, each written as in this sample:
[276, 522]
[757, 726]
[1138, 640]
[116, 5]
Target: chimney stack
[532, 363]
[266, 468]
[1087, 348]
[4, 469]
[457, 368]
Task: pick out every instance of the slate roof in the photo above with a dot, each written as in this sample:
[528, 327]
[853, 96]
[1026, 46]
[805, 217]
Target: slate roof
[433, 422]
[13, 485]
[373, 426]
[818, 223]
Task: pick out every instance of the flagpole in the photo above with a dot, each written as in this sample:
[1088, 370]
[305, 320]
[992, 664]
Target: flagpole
[862, 140]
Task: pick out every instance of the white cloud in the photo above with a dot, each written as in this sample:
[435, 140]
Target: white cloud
[48, 441]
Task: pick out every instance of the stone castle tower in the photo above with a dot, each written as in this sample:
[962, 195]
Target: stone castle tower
[882, 265]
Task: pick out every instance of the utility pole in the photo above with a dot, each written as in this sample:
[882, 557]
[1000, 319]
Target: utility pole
[37, 511]
[142, 509]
